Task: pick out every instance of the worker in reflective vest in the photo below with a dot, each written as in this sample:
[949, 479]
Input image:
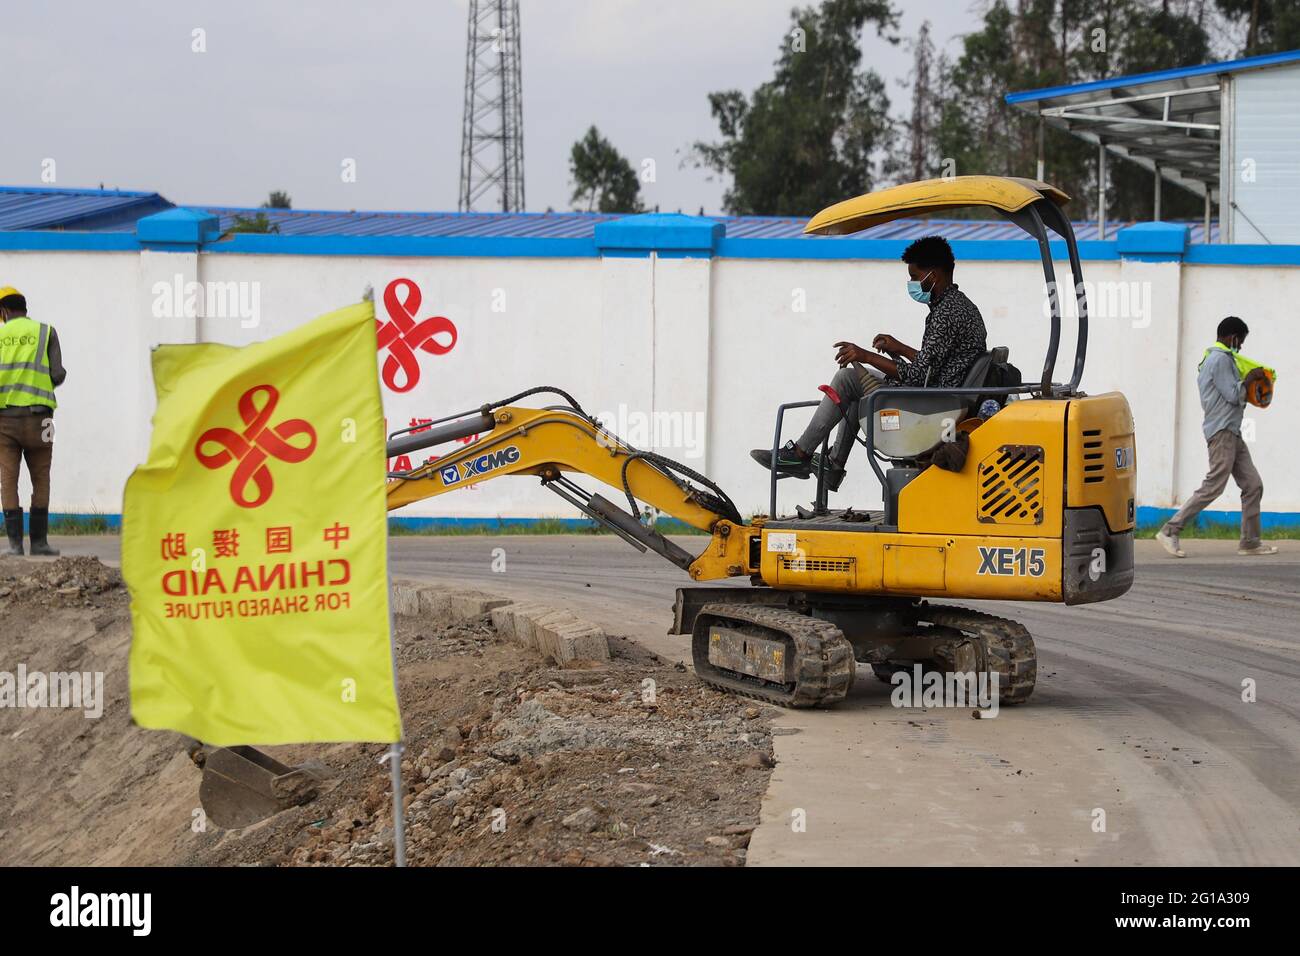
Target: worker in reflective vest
[1227, 382]
[31, 366]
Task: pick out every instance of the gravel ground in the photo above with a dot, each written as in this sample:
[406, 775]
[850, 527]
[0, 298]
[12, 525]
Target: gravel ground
[510, 759]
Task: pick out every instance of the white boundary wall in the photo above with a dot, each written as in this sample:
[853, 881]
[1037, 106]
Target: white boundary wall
[712, 346]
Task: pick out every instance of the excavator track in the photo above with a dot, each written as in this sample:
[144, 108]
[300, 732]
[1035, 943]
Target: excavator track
[819, 656]
[1002, 646]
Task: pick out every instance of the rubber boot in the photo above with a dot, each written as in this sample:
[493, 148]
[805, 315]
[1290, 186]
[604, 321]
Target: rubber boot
[38, 524]
[14, 529]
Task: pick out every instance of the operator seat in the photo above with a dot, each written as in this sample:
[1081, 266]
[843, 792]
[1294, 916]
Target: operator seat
[911, 425]
[905, 426]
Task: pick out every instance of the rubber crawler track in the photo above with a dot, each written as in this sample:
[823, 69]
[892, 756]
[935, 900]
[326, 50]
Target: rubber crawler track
[1006, 648]
[824, 657]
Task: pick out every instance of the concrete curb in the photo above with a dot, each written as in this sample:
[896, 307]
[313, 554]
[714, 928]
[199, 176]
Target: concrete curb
[552, 631]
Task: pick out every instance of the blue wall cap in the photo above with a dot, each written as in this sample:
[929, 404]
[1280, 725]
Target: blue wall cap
[1153, 241]
[668, 234]
[178, 227]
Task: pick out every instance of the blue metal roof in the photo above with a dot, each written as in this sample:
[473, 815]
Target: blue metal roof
[90, 210]
[116, 211]
[317, 222]
[582, 225]
[1160, 76]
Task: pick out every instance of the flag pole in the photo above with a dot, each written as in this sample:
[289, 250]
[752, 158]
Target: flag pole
[394, 758]
[394, 755]
[399, 812]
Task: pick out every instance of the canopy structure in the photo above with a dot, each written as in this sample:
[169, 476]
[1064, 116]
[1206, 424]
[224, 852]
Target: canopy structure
[1177, 123]
[1004, 193]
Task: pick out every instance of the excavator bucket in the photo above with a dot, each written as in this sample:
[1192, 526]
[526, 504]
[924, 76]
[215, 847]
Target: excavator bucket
[242, 786]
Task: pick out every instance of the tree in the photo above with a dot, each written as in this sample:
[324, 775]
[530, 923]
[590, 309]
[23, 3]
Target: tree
[261, 222]
[917, 157]
[1155, 38]
[978, 132]
[1271, 25]
[603, 179]
[1044, 43]
[257, 223]
[812, 134]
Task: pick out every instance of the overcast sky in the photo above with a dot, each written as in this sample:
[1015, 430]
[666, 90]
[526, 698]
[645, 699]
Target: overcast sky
[286, 91]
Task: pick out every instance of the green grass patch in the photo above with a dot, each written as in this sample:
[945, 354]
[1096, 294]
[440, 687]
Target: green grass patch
[1217, 531]
[82, 524]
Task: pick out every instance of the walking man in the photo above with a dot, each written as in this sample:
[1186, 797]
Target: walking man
[31, 366]
[1223, 400]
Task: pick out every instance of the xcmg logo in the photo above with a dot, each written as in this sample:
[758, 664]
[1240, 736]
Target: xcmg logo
[477, 467]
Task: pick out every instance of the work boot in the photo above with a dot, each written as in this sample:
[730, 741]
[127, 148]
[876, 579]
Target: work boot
[39, 526]
[788, 460]
[14, 529]
[834, 473]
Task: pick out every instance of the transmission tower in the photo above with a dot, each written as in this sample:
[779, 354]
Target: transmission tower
[492, 137]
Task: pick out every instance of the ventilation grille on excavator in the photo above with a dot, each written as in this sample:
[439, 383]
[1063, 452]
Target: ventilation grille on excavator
[1094, 459]
[1011, 486]
[792, 563]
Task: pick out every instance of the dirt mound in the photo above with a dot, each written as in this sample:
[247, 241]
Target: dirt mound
[79, 788]
[63, 582]
[510, 759]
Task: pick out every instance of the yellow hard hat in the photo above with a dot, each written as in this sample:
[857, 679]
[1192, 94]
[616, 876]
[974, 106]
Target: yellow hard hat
[7, 291]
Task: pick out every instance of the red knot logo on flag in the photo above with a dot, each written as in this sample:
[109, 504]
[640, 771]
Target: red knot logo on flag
[402, 335]
[258, 442]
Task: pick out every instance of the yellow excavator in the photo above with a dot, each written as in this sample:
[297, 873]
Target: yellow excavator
[1042, 509]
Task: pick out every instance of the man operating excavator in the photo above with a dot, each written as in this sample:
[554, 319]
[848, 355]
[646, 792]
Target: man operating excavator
[954, 338]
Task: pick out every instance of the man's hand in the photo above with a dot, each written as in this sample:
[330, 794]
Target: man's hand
[848, 352]
[888, 344]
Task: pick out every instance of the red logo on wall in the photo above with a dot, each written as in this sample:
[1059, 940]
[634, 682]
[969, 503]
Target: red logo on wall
[251, 448]
[402, 336]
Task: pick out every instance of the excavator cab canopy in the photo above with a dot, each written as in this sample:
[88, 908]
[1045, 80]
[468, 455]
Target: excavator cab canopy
[1034, 206]
[1003, 193]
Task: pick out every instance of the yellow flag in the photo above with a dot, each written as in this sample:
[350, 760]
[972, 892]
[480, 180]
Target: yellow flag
[254, 542]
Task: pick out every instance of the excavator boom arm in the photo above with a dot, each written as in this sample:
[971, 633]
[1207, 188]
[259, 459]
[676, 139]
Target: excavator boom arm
[551, 443]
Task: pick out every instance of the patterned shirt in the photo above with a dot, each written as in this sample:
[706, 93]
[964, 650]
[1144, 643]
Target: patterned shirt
[954, 338]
